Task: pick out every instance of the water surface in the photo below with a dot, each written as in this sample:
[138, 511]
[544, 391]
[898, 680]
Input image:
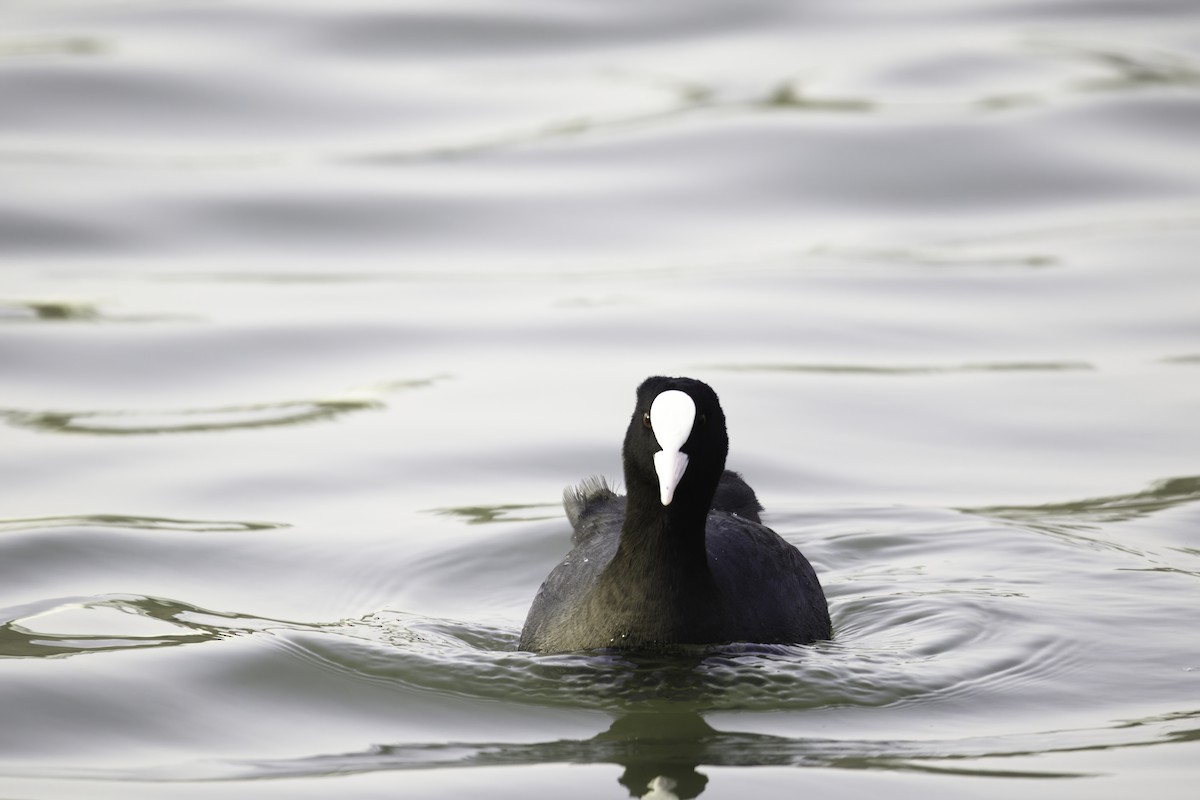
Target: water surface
[308, 312]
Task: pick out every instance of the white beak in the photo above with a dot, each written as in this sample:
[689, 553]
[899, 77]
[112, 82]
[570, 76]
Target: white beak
[670, 465]
[671, 417]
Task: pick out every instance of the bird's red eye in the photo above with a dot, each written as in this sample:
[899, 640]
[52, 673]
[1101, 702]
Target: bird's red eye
[646, 419]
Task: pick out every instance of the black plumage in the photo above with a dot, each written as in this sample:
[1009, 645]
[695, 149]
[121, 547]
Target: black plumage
[699, 569]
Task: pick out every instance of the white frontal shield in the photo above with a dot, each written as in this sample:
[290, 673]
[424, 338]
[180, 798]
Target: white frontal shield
[672, 415]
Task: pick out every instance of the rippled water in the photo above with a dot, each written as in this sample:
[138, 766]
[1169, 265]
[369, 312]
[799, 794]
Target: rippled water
[309, 310]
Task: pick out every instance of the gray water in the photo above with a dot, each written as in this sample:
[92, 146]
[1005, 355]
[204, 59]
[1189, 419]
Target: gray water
[308, 311]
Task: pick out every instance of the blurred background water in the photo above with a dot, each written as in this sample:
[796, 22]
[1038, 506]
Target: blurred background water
[309, 310]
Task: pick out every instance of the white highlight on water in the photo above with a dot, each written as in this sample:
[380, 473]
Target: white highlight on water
[660, 789]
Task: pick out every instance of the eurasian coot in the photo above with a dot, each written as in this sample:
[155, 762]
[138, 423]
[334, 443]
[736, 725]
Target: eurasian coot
[682, 559]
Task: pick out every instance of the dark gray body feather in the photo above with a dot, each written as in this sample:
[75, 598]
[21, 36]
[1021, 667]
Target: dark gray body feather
[756, 587]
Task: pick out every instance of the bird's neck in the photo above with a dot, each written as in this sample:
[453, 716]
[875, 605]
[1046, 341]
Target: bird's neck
[667, 536]
[658, 587]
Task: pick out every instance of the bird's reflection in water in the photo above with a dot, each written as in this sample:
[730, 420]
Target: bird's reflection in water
[658, 750]
[657, 736]
[660, 789]
[660, 753]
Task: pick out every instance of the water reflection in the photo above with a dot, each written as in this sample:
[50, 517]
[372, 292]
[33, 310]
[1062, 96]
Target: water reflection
[669, 749]
[18, 311]
[789, 95]
[48, 310]
[685, 99]
[661, 754]
[43, 46]
[1134, 70]
[661, 788]
[869, 369]
[192, 420]
[1161, 495]
[652, 747]
[137, 523]
[67, 626]
[961, 256]
[205, 420]
[476, 515]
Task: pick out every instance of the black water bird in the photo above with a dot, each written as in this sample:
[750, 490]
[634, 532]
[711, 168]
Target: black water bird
[682, 559]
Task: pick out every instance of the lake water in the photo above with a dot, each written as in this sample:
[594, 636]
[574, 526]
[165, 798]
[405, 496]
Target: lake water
[309, 310]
